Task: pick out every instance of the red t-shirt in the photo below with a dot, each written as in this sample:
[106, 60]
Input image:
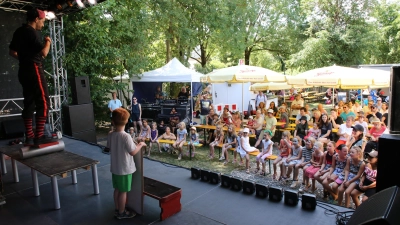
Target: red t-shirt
[377, 133]
[285, 149]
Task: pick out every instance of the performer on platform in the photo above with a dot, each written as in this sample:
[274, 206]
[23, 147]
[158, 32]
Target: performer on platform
[159, 95]
[27, 46]
[122, 165]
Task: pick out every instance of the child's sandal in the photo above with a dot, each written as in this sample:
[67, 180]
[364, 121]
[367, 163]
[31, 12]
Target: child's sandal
[257, 170]
[248, 171]
[262, 173]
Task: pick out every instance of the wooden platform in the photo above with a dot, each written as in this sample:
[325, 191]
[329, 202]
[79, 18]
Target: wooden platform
[52, 165]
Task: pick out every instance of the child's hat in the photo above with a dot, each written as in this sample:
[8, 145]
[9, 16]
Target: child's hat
[268, 132]
[246, 130]
[131, 128]
[270, 111]
[303, 118]
[193, 128]
[250, 117]
[373, 154]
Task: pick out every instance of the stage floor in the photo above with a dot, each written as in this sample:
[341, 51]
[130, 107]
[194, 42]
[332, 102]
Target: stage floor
[202, 203]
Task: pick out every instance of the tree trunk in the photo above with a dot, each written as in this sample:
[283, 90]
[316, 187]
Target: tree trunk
[168, 44]
[247, 53]
[203, 55]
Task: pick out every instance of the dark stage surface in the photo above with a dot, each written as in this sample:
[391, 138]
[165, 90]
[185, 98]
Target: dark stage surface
[202, 203]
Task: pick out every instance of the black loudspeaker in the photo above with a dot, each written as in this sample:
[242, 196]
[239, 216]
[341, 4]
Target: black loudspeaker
[80, 89]
[214, 177]
[291, 197]
[225, 181]
[394, 100]
[275, 194]
[308, 202]
[13, 128]
[248, 187]
[380, 209]
[79, 122]
[205, 175]
[236, 183]
[387, 158]
[261, 190]
[195, 173]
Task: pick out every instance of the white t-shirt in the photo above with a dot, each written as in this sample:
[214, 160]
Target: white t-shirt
[295, 102]
[120, 145]
[266, 146]
[343, 129]
[260, 122]
[262, 98]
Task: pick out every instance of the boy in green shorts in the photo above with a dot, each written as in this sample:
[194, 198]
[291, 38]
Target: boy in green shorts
[123, 166]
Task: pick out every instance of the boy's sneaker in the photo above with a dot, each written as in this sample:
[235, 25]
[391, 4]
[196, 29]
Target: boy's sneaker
[221, 158]
[126, 215]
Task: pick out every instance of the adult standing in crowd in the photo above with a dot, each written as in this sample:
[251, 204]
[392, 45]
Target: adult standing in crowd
[136, 114]
[114, 104]
[296, 105]
[261, 97]
[30, 50]
[205, 106]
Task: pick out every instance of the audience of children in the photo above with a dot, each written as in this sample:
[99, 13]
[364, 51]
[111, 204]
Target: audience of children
[153, 138]
[266, 151]
[193, 140]
[230, 142]
[250, 125]
[219, 140]
[181, 139]
[293, 159]
[168, 135]
[316, 163]
[246, 148]
[323, 172]
[144, 132]
[314, 132]
[285, 146]
[301, 128]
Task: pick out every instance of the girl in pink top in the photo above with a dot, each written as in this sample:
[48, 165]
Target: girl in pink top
[284, 148]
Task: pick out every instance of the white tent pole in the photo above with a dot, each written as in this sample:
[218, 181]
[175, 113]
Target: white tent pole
[242, 101]
[333, 97]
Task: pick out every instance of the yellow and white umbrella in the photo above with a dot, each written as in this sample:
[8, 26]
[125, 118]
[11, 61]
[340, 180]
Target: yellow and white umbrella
[269, 86]
[243, 74]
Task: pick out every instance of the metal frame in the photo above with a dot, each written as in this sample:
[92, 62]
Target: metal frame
[20, 6]
[60, 81]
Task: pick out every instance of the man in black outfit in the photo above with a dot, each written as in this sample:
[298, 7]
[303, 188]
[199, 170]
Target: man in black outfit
[28, 47]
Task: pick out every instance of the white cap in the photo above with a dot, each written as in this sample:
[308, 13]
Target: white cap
[250, 117]
[246, 130]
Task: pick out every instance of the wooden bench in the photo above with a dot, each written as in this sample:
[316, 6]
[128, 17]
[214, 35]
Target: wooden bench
[168, 196]
[185, 144]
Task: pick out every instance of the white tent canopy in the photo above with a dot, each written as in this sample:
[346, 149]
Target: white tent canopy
[173, 71]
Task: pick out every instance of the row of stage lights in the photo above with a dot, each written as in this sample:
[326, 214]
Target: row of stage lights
[62, 5]
[308, 201]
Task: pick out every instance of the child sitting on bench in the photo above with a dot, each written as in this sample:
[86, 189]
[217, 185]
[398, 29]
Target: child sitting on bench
[123, 166]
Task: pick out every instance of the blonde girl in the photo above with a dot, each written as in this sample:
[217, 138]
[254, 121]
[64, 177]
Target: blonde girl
[181, 139]
[352, 173]
[246, 148]
[168, 135]
[230, 142]
[284, 148]
[153, 137]
[219, 139]
[144, 132]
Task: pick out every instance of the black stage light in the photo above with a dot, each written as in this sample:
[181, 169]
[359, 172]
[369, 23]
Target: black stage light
[195, 173]
[275, 194]
[261, 190]
[291, 197]
[248, 187]
[214, 177]
[236, 183]
[308, 201]
[205, 175]
[226, 181]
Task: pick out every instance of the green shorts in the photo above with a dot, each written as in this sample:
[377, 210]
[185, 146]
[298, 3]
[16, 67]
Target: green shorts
[122, 182]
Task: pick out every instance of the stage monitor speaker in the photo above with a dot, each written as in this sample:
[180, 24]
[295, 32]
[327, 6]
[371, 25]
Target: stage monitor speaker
[387, 157]
[78, 118]
[261, 190]
[291, 197]
[248, 187]
[205, 175]
[215, 177]
[275, 194]
[236, 183]
[13, 128]
[226, 181]
[381, 208]
[80, 88]
[308, 201]
[394, 101]
[195, 173]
